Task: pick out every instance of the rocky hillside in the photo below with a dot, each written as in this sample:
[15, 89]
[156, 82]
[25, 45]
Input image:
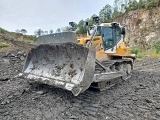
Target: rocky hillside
[10, 41]
[143, 27]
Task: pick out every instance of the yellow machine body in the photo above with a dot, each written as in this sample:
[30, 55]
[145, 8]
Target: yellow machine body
[122, 49]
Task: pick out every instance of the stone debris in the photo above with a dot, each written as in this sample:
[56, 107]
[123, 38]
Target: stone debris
[4, 78]
[136, 98]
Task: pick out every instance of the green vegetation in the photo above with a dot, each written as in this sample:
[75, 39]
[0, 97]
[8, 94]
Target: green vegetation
[148, 53]
[24, 38]
[154, 51]
[134, 51]
[157, 47]
[152, 4]
[107, 14]
[16, 37]
[2, 31]
[3, 44]
[28, 41]
[120, 7]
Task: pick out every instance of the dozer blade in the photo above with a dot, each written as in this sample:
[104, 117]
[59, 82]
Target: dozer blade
[65, 65]
[62, 37]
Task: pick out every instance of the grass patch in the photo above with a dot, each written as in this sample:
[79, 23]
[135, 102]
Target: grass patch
[142, 54]
[157, 47]
[155, 54]
[2, 31]
[3, 44]
[17, 36]
[25, 38]
[27, 41]
[134, 51]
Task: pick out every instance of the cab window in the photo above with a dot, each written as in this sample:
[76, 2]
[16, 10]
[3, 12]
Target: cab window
[118, 35]
[107, 36]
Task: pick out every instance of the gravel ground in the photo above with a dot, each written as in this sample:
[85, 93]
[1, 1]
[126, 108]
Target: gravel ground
[135, 99]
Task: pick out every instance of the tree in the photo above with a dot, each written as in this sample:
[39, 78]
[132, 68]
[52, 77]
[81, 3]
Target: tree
[66, 29]
[151, 3]
[90, 20]
[126, 4]
[116, 8]
[58, 30]
[82, 29]
[23, 31]
[133, 5]
[106, 13]
[38, 32]
[123, 8]
[141, 4]
[51, 32]
[45, 32]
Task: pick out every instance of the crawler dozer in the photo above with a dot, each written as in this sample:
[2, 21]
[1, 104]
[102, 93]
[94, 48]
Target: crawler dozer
[97, 60]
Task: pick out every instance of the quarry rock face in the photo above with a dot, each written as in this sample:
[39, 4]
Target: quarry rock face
[142, 26]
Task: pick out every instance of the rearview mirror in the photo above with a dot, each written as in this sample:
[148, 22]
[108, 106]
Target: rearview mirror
[87, 23]
[123, 31]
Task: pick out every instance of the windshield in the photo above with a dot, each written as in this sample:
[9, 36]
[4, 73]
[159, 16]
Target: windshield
[107, 37]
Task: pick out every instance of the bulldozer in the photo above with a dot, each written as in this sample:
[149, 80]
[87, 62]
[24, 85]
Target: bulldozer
[98, 60]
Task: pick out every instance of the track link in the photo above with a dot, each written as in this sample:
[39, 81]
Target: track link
[124, 66]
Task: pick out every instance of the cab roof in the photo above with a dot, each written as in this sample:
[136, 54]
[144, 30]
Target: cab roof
[109, 24]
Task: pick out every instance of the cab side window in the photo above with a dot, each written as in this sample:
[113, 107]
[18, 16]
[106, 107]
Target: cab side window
[118, 35]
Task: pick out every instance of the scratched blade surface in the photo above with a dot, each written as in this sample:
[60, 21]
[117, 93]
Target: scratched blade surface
[67, 65]
[62, 37]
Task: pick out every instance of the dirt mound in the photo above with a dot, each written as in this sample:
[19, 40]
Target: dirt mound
[14, 45]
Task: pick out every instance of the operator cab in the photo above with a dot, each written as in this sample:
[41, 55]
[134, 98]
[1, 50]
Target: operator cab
[111, 34]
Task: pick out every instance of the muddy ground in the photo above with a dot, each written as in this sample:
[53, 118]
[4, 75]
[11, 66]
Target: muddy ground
[135, 99]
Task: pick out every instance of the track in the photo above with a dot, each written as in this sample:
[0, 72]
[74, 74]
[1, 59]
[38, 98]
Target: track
[137, 98]
[118, 68]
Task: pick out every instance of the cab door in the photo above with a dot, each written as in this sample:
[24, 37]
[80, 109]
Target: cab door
[108, 40]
